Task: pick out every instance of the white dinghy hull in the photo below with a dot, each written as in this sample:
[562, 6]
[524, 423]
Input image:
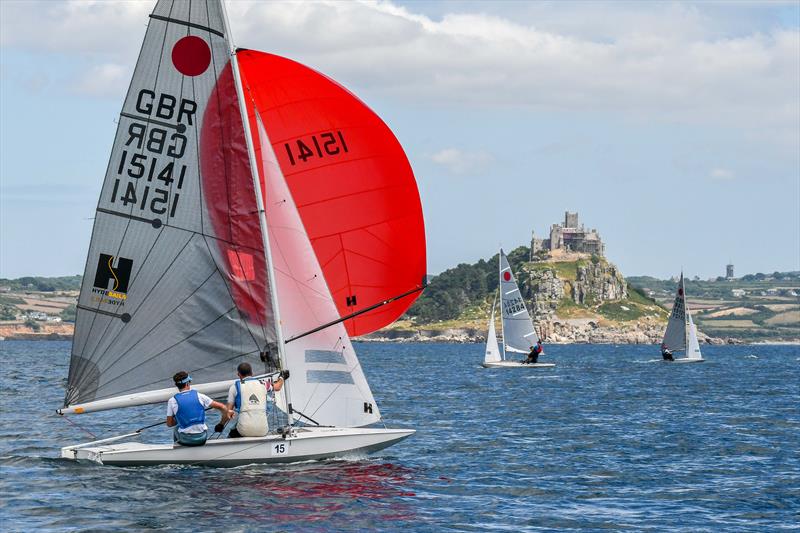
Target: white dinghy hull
[305, 444]
[686, 360]
[516, 364]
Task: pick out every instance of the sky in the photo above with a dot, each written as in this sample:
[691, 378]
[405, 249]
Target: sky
[671, 127]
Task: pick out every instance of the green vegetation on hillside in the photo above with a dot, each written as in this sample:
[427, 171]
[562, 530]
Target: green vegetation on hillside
[464, 293]
[21, 297]
[69, 313]
[753, 307]
[39, 284]
[10, 300]
[567, 308]
[455, 290]
[8, 306]
[462, 296]
[718, 288]
[619, 312]
[565, 270]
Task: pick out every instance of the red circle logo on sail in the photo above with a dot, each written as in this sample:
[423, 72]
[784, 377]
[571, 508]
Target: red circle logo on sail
[191, 56]
[507, 276]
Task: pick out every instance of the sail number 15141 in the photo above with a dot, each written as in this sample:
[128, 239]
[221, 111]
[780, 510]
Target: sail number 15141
[320, 145]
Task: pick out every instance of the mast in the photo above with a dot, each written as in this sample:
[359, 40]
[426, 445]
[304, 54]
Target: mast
[685, 317]
[500, 291]
[262, 219]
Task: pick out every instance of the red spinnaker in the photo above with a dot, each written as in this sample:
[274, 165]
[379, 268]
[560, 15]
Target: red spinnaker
[351, 181]
[231, 202]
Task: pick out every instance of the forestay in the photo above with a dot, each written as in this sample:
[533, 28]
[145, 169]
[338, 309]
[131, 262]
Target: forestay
[518, 332]
[675, 335]
[175, 275]
[327, 383]
[492, 349]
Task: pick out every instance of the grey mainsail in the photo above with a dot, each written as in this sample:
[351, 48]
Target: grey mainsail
[175, 275]
[518, 332]
[675, 334]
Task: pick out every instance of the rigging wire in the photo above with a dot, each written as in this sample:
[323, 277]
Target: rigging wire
[357, 313]
[79, 426]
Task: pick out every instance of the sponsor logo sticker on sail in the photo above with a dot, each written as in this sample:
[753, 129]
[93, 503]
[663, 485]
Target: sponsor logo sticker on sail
[118, 277]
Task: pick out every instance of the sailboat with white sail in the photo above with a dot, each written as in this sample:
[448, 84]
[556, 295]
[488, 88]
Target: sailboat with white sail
[681, 333]
[519, 335]
[492, 354]
[253, 210]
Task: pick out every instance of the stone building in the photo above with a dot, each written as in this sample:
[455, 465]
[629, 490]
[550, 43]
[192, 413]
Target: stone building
[729, 272]
[570, 236]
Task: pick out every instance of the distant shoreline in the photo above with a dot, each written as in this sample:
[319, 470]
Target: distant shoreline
[44, 337]
[557, 333]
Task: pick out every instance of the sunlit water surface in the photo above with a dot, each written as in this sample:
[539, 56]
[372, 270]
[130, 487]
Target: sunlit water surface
[606, 440]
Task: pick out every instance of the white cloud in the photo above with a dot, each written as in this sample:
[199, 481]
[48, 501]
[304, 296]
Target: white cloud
[696, 64]
[84, 28]
[721, 174]
[459, 162]
[668, 63]
[107, 79]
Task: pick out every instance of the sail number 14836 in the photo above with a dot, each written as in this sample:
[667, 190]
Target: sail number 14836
[320, 145]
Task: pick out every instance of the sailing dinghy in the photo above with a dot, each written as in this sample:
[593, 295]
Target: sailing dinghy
[253, 210]
[518, 332]
[681, 333]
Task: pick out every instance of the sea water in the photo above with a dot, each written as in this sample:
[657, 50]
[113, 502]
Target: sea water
[606, 440]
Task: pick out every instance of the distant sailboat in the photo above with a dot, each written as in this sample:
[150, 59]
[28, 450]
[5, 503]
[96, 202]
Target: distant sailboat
[681, 333]
[492, 348]
[518, 332]
[253, 210]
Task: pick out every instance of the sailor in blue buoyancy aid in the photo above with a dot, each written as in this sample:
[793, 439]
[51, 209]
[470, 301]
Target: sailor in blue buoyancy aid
[248, 397]
[186, 412]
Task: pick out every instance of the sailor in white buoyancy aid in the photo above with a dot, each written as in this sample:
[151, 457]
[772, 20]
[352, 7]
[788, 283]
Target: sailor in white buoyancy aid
[248, 397]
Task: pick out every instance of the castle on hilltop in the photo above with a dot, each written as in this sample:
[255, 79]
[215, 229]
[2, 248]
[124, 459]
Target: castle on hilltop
[571, 236]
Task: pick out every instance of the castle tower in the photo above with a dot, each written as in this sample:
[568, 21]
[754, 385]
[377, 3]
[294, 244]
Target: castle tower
[555, 237]
[570, 220]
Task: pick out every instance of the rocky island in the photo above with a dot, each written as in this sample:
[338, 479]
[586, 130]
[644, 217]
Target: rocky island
[573, 297]
[576, 295]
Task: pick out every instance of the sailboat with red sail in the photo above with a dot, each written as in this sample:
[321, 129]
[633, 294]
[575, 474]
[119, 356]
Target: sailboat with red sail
[253, 210]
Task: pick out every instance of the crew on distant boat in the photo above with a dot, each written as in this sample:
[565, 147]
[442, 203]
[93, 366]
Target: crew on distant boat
[665, 353]
[248, 397]
[186, 411]
[536, 351]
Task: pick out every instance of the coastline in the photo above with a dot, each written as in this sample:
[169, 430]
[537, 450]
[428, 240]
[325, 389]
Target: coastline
[557, 332]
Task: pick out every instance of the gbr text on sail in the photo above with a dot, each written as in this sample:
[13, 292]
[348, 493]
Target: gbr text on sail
[149, 171]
